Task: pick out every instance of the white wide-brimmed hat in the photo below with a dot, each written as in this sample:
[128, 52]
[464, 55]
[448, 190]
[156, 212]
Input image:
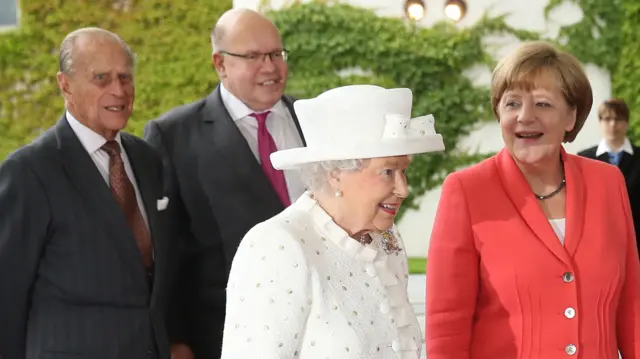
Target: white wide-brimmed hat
[358, 122]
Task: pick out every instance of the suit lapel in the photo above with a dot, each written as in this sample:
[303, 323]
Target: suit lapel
[604, 157]
[146, 180]
[147, 176]
[226, 143]
[288, 101]
[575, 204]
[520, 194]
[96, 194]
[626, 164]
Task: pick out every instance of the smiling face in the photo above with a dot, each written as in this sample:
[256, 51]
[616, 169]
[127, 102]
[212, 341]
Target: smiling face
[548, 85]
[257, 80]
[99, 91]
[372, 196]
[534, 118]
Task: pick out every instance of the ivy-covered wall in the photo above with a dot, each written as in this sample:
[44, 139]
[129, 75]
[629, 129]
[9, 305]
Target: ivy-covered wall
[170, 38]
[626, 76]
[326, 40]
[609, 36]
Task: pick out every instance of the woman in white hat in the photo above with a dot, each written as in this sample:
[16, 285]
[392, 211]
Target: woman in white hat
[327, 277]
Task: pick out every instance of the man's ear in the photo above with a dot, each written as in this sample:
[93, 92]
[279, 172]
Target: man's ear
[217, 60]
[63, 84]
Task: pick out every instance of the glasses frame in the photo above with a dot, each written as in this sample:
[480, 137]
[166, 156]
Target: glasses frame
[283, 53]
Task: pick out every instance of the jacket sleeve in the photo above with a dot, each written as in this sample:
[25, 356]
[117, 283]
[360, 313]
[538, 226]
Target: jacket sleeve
[268, 296]
[452, 276]
[24, 222]
[628, 320]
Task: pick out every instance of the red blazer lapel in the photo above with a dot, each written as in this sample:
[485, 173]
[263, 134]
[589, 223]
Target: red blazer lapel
[519, 191]
[576, 192]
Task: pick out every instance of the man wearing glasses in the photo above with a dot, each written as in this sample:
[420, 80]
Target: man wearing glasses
[216, 153]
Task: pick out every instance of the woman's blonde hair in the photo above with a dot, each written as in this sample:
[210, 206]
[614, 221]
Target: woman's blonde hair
[524, 68]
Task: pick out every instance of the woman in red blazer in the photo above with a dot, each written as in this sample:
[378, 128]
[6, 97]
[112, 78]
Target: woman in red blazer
[533, 252]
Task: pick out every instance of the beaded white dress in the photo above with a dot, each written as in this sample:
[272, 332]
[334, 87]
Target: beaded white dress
[300, 287]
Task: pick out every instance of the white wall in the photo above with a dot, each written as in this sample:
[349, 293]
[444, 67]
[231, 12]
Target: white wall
[527, 15]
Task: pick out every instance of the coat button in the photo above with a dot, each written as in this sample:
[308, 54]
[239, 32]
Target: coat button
[567, 277]
[385, 308]
[570, 349]
[570, 313]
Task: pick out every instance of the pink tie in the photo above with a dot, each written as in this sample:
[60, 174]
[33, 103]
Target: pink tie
[266, 146]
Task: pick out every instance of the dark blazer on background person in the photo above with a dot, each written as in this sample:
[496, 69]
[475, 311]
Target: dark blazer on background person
[220, 191]
[630, 166]
[72, 281]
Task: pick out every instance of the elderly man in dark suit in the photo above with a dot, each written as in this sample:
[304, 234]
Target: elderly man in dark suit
[616, 149]
[84, 249]
[216, 153]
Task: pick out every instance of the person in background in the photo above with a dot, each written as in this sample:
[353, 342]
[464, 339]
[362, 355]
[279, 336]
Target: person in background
[86, 253]
[616, 149]
[216, 154]
[530, 255]
[327, 277]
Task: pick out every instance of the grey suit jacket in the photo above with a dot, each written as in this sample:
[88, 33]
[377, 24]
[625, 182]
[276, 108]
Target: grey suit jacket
[72, 283]
[220, 192]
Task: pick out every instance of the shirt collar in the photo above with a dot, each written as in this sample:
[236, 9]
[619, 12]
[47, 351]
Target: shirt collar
[603, 147]
[91, 141]
[239, 110]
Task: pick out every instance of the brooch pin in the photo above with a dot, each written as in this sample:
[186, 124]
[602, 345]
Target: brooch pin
[389, 242]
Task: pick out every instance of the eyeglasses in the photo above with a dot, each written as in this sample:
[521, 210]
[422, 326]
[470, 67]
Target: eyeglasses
[279, 55]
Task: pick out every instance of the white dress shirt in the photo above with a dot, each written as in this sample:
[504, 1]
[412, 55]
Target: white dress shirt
[603, 147]
[279, 124]
[301, 288]
[93, 142]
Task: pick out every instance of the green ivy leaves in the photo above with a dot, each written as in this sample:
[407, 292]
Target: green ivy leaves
[170, 38]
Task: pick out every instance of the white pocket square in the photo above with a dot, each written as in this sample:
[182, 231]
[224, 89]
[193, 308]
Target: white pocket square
[162, 203]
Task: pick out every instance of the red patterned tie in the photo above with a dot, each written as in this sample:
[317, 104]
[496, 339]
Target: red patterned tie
[266, 146]
[125, 195]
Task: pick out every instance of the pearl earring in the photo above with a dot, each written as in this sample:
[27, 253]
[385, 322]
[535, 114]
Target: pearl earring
[338, 193]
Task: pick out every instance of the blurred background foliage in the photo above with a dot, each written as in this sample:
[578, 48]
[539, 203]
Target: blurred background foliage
[330, 44]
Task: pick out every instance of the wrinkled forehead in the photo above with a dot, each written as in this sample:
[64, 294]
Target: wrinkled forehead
[101, 54]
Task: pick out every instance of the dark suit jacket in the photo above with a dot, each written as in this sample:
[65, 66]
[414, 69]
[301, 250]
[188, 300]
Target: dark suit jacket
[221, 192]
[630, 167]
[72, 283]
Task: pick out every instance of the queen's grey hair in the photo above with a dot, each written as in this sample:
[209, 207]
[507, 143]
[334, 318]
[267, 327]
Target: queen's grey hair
[315, 175]
[65, 61]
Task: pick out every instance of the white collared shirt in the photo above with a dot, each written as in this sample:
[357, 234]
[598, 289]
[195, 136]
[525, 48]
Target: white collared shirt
[93, 142]
[603, 147]
[279, 124]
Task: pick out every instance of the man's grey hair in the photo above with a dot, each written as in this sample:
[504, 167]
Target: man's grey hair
[65, 61]
[218, 34]
[315, 175]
